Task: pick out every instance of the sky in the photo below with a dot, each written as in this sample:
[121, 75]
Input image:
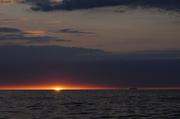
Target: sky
[90, 44]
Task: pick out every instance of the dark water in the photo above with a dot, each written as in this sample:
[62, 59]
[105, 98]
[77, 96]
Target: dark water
[90, 105]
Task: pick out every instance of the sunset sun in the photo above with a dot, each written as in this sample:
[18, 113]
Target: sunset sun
[57, 89]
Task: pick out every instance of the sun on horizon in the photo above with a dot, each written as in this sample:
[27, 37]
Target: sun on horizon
[57, 89]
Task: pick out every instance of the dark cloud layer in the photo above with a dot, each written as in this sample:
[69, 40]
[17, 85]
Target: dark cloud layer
[32, 65]
[46, 5]
[9, 30]
[73, 31]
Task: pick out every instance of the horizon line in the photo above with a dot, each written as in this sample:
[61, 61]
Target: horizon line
[69, 89]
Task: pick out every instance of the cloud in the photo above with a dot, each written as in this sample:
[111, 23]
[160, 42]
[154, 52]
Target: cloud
[9, 30]
[11, 35]
[154, 55]
[3, 21]
[68, 65]
[47, 5]
[73, 31]
[35, 32]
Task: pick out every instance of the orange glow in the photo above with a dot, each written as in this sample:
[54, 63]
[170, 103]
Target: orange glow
[35, 32]
[7, 1]
[58, 88]
[54, 87]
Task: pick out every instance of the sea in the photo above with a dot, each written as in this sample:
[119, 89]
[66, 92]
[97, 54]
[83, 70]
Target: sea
[90, 104]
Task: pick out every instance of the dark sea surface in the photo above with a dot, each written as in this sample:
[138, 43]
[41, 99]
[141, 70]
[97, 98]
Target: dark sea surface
[90, 105]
